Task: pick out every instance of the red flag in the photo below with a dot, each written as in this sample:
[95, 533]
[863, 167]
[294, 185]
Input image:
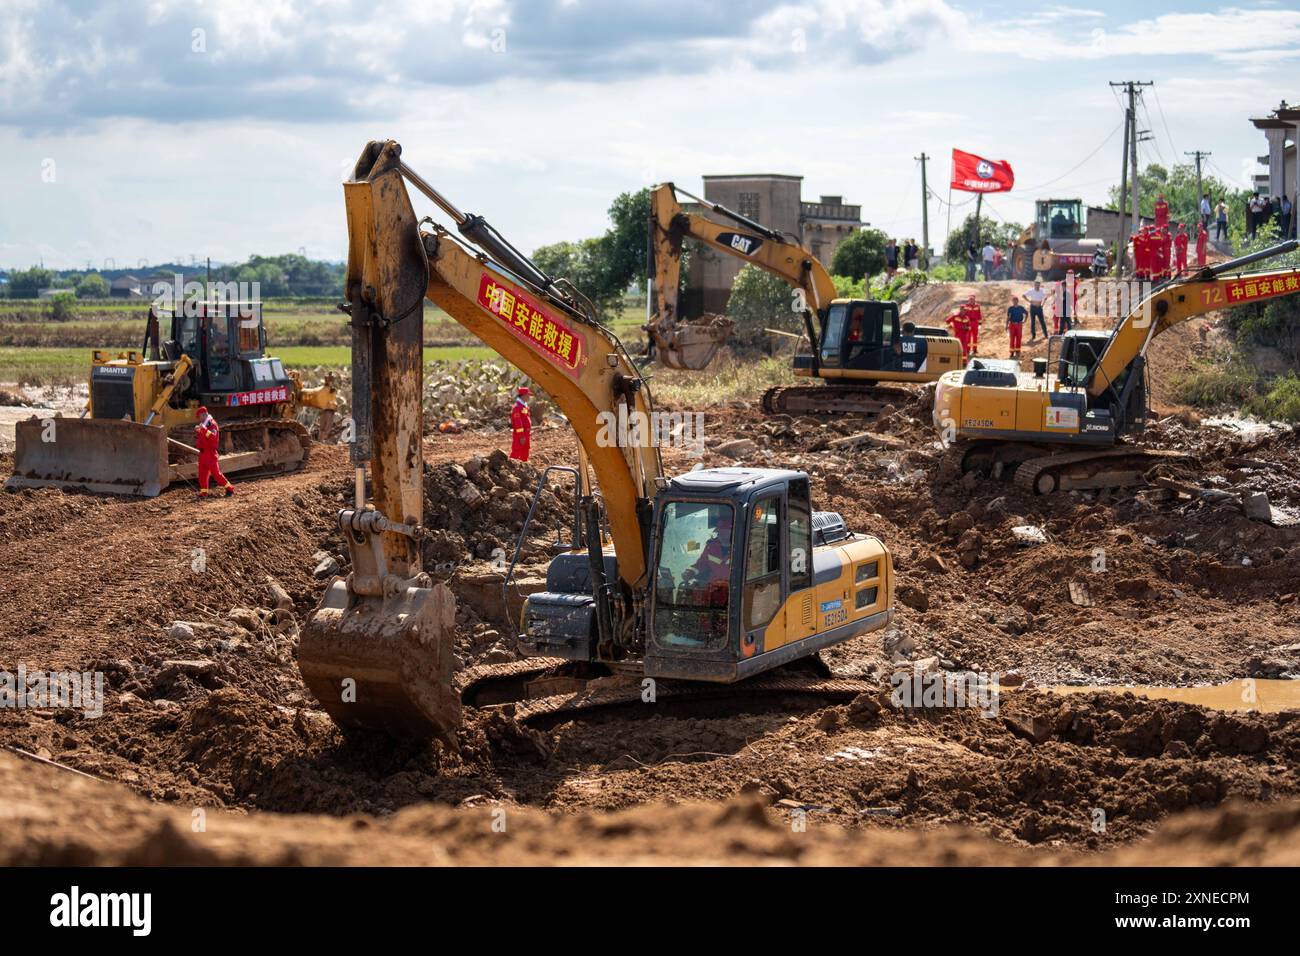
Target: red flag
[975, 174]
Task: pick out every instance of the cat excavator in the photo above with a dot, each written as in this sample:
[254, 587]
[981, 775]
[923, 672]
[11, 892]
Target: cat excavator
[714, 577]
[857, 344]
[1064, 429]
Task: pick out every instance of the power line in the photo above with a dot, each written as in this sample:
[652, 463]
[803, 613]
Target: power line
[1165, 121]
[1085, 159]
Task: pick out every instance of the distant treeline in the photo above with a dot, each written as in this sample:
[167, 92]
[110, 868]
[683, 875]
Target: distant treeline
[276, 276]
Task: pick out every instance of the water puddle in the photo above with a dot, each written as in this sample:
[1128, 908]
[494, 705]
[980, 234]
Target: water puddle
[1258, 694]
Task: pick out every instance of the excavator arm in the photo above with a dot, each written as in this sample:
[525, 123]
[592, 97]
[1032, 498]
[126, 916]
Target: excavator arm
[1211, 289]
[743, 238]
[387, 627]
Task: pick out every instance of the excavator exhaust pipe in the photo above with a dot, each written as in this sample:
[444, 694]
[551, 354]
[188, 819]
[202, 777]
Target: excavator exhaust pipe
[105, 455]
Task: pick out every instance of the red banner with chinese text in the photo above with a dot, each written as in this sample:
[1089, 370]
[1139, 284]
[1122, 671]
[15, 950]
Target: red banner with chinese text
[531, 322]
[975, 174]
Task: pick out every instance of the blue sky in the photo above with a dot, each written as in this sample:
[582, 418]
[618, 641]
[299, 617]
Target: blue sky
[147, 130]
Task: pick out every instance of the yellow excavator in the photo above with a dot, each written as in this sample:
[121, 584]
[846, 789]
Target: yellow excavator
[1063, 429]
[857, 344]
[131, 439]
[707, 579]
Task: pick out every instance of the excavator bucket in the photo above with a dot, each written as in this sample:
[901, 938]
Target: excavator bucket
[384, 664]
[97, 454]
[692, 345]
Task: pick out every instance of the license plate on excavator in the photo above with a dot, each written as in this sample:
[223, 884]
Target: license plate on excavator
[96, 454]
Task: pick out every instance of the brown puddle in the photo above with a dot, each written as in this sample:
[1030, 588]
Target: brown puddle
[1258, 694]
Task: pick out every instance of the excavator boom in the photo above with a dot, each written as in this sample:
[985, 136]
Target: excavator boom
[692, 345]
[385, 628]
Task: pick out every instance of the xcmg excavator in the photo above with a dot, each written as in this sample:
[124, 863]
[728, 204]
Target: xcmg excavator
[1063, 429]
[856, 344]
[709, 578]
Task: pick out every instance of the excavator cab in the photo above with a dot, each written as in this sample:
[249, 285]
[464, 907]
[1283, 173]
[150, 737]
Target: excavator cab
[745, 577]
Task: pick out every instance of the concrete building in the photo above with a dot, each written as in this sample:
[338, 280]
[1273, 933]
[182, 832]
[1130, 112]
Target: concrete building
[1281, 129]
[1103, 224]
[773, 200]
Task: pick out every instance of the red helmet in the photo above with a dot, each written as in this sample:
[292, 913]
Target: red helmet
[201, 411]
[523, 390]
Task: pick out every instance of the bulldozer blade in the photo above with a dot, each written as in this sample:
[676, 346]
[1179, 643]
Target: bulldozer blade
[695, 344]
[98, 454]
[384, 664]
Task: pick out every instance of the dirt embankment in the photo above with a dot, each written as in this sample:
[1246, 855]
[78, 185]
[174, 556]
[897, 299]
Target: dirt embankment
[212, 715]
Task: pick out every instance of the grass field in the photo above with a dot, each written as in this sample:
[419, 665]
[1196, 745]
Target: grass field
[34, 349]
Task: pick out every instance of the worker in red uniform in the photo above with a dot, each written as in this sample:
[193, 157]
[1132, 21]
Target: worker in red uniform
[521, 425]
[1162, 212]
[1202, 245]
[207, 435]
[971, 313]
[1141, 247]
[961, 329]
[1180, 249]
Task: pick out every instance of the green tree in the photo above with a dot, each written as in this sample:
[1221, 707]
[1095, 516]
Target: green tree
[1001, 234]
[61, 306]
[92, 286]
[861, 254]
[603, 268]
[1179, 186]
[758, 301]
[26, 283]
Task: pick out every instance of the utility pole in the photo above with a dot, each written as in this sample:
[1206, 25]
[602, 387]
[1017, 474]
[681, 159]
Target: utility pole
[1132, 90]
[1198, 155]
[925, 215]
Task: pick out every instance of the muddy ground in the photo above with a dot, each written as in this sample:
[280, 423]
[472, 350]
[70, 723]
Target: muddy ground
[213, 716]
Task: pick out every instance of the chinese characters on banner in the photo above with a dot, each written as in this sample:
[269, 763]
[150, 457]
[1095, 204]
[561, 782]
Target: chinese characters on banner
[975, 174]
[527, 320]
[1246, 290]
[266, 396]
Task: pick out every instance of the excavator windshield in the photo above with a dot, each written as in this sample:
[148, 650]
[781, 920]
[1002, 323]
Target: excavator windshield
[693, 586]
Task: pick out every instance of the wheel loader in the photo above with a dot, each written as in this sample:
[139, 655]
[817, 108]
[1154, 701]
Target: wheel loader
[1064, 428]
[136, 433]
[718, 577]
[858, 345]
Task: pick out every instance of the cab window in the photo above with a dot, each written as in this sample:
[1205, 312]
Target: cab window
[799, 521]
[693, 584]
[763, 562]
[836, 317]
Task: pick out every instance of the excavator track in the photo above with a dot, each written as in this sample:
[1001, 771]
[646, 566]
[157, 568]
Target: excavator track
[1118, 467]
[524, 686]
[866, 400]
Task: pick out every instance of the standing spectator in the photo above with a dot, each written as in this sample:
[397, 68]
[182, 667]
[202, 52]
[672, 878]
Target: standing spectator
[1035, 297]
[891, 258]
[1221, 220]
[972, 260]
[1162, 212]
[1274, 212]
[1205, 212]
[1066, 302]
[1202, 246]
[911, 254]
[986, 255]
[1015, 326]
[1285, 219]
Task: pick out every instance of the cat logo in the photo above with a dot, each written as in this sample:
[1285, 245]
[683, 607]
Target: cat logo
[745, 245]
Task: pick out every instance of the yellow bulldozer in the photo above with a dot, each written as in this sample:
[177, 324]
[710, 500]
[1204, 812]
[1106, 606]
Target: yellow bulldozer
[135, 434]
